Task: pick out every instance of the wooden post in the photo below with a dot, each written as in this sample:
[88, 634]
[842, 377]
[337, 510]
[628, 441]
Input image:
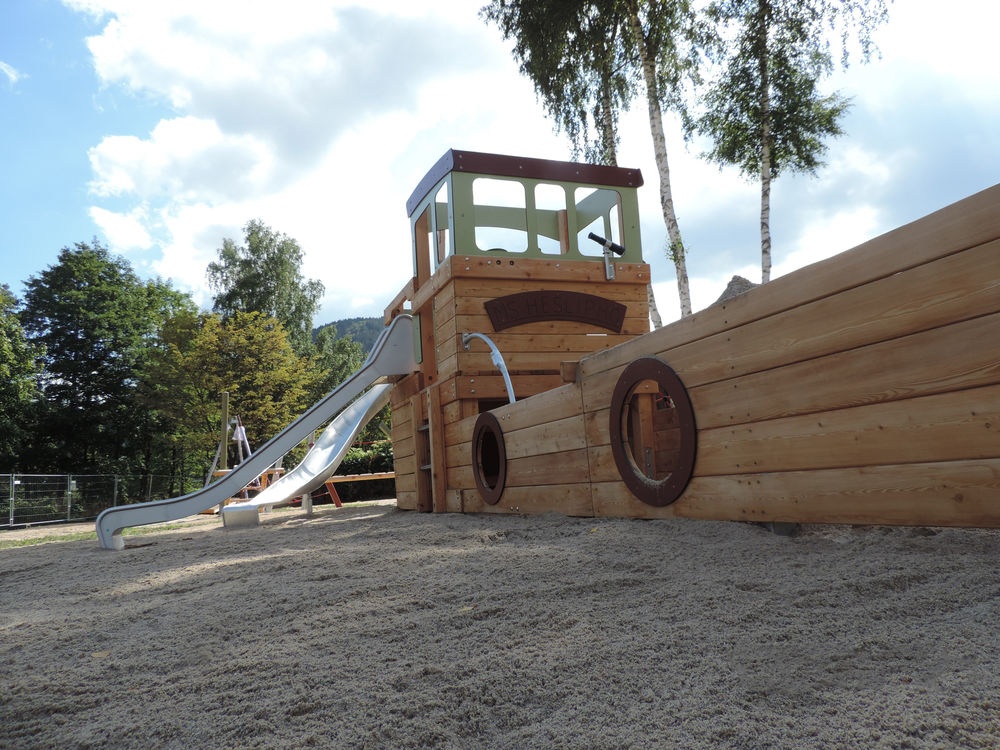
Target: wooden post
[224, 440]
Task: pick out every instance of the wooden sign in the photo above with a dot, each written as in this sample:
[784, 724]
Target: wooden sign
[534, 307]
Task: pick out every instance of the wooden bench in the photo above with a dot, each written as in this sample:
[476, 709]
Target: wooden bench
[332, 482]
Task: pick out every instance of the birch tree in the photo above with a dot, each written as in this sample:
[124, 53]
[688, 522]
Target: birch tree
[664, 33]
[586, 59]
[265, 276]
[765, 113]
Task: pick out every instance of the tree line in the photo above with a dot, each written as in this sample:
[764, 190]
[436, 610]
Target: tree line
[102, 372]
[742, 75]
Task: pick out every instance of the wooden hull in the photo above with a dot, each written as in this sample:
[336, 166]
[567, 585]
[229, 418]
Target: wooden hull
[863, 389]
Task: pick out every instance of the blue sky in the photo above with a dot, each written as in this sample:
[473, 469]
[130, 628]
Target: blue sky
[163, 127]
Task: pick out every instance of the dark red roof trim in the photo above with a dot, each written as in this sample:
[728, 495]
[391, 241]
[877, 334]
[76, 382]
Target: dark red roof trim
[521, 166]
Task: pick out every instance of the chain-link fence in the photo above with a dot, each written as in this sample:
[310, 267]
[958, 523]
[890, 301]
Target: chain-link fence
[51, 498]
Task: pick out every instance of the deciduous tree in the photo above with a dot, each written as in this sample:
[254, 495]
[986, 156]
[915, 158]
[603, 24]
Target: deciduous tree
[95, 320]
[248, 355]
[18, 386]
[265, 276]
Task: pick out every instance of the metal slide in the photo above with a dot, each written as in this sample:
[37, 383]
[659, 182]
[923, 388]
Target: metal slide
[391, 355]
[320, 462]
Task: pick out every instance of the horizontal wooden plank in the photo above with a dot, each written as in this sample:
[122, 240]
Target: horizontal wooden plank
[542, 471]
[461, 477]
[549, 437]
[457, 433]
[614, 500]
[481, 363]
[944, 359]
[404, 464]
[568, 499]
[542, 269]
[553, 273]
[602, 464]
[558, 403]
[494, 387]
[405, 483]
[481, 289]
[466, 308]
[403, 447]
[952, 289]
[967, 224]
[458, 456]
[519, 359]
[598, 427]
[597, 388]
[944, 427]
[404, 390]
[339, 478]
[634, 325]
[960, 493]
[406, 500]
[516, 341]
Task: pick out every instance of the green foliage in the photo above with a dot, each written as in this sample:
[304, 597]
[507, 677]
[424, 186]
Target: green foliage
[95, 321]
[336, 358]
[265, 276]
[586, 58]
[367, 458]
[364, 331]
[766, 111]
[18, 385]
[249, 356]
[576, 54]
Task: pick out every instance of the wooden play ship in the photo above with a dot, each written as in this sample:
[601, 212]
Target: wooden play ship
[862, 389]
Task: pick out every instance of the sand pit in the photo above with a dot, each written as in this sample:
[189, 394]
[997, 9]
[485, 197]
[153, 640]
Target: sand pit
[367, 627]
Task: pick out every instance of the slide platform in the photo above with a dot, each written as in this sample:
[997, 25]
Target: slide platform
[392, 355]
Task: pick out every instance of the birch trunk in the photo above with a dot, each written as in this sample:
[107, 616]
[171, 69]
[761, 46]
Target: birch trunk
[765, 144]
[610, 157]
[675, 249]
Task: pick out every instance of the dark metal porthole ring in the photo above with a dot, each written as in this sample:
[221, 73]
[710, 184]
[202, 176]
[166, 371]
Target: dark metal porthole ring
[651, 491]
[489, 458]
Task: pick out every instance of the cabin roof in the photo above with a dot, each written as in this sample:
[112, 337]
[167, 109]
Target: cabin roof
[519, 166]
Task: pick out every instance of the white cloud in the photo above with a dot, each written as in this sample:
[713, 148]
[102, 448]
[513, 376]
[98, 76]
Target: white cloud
[184, 159]
[828, 235]
[124, 231]
[12, 74]
[316, 118]
[319, 119]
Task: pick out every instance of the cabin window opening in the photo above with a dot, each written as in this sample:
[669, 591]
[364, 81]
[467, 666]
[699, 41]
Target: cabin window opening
[598, 210]
[500, 215]
[440, 237]
[550, 208]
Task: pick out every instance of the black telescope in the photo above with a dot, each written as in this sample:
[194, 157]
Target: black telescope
[613, 247]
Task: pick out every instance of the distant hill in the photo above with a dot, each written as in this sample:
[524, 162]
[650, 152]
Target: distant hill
[362, 330]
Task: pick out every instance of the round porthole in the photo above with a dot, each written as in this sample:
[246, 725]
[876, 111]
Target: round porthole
[489, 458]
[653, 433]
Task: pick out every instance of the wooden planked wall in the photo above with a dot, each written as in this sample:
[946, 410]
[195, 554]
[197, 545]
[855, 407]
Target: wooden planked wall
[425, 406]
[862, 389]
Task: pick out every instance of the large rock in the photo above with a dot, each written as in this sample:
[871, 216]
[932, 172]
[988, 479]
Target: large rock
[736, 286]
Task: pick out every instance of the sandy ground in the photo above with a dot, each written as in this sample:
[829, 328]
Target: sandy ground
[374, 628]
